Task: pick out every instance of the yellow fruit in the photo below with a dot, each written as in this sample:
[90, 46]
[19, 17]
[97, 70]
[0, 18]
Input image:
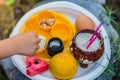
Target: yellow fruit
[63, 66]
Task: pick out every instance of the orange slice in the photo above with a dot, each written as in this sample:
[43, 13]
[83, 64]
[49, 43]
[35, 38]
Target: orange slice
[62, 31]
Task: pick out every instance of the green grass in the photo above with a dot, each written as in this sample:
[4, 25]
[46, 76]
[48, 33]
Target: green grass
[118, 28]
[3, 77]
[112, 72]
[114, 68]
[2, 74]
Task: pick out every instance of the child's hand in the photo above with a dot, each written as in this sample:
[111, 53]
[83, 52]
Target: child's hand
[26, 43]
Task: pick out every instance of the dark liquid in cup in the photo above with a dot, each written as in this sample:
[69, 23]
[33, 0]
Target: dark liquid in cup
[55, 45]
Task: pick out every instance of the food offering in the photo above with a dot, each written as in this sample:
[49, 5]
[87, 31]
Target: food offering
[42, 44]
[87, 46]
[55, 32]
[62, 31]
[46, 20]
[55, 45]
[36, 65]
[84, 22]
[63, 66]
[61, 27]
[62, 44]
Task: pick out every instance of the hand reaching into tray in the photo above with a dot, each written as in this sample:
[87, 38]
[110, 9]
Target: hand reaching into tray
[23, 44]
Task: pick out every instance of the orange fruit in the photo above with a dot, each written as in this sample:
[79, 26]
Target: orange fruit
[62, 31]
[31, 25]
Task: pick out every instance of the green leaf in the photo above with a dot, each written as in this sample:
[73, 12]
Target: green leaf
[10, 2]
[2, 77]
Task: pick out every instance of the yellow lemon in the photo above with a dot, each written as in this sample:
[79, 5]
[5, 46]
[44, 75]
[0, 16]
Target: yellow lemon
[63, 66]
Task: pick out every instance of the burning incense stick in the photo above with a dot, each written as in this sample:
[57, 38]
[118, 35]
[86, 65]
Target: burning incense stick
[95, 32]
[93, 39]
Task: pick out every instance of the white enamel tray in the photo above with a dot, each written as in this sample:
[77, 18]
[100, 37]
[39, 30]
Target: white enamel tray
[71, 11]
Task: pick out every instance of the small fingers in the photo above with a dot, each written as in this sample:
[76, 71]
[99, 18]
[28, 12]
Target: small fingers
[36, 47]
[33, 52]
[38, 40]
[34, 34]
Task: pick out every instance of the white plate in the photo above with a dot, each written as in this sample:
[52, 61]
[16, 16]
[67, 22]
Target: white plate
[71, 11]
